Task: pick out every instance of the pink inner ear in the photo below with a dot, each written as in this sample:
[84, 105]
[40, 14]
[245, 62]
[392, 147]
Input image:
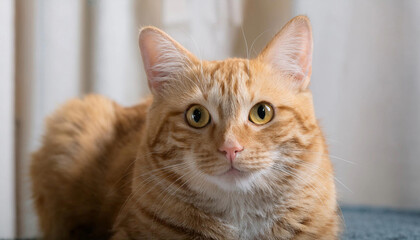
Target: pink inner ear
[305, 61]
[162, 57]
[150, 55]
[290, 51]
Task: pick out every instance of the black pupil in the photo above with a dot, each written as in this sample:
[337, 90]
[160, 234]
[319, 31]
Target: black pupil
[196, 115]
[261, 111]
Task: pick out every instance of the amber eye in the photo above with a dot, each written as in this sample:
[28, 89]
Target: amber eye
[261, 113]
[197, 116]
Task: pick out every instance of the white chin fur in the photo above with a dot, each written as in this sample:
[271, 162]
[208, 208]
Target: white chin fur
[231, 183]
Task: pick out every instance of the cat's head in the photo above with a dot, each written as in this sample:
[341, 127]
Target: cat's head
[232, 123]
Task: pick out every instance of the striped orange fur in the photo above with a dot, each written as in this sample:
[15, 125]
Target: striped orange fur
[109, 172]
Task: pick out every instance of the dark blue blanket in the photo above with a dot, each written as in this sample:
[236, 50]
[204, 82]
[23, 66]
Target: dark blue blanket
[379, 223]
[364, 223]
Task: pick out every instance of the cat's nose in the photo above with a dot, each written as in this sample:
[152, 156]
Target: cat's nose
[231, 148]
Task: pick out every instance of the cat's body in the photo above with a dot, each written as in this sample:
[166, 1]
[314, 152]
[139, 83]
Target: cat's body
[81, 175]
[148, 172]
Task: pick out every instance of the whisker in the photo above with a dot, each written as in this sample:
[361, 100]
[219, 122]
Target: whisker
[306, 182]
[308, 165]
[167, 195]
[342, 159]
[255, 39]
[155, 170]
[327, 155]
[147, 181]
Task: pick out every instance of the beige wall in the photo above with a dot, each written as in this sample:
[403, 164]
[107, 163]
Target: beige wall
[7, 163]
[366, 85]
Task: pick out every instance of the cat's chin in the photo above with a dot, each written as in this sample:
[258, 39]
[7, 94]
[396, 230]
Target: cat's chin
[233, 180]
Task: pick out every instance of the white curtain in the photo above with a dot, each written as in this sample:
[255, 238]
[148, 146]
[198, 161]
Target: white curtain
[366, 85]
[365, 77]
[7, 159]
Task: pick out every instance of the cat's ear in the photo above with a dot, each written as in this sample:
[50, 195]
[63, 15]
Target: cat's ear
[290, 52]
[163, 57]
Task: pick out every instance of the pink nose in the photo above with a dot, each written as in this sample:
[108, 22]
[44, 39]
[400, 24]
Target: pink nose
[231, 149]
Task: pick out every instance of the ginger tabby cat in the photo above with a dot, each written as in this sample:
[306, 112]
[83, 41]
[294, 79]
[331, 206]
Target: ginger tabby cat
[222, 150]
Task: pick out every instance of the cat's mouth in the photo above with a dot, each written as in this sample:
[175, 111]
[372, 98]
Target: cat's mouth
[233, 172]
[233, 178]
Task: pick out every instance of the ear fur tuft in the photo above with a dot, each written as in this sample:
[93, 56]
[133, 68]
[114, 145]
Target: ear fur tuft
[163, 57]
[290, 51]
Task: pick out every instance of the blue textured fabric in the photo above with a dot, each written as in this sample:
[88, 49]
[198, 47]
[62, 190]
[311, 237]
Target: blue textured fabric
[379, 223]
[365, 223]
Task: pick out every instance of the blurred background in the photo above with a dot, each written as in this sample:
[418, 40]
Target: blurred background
[365, 80]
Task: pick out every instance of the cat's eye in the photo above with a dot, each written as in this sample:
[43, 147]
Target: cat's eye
[197, 116]
[261, 113]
